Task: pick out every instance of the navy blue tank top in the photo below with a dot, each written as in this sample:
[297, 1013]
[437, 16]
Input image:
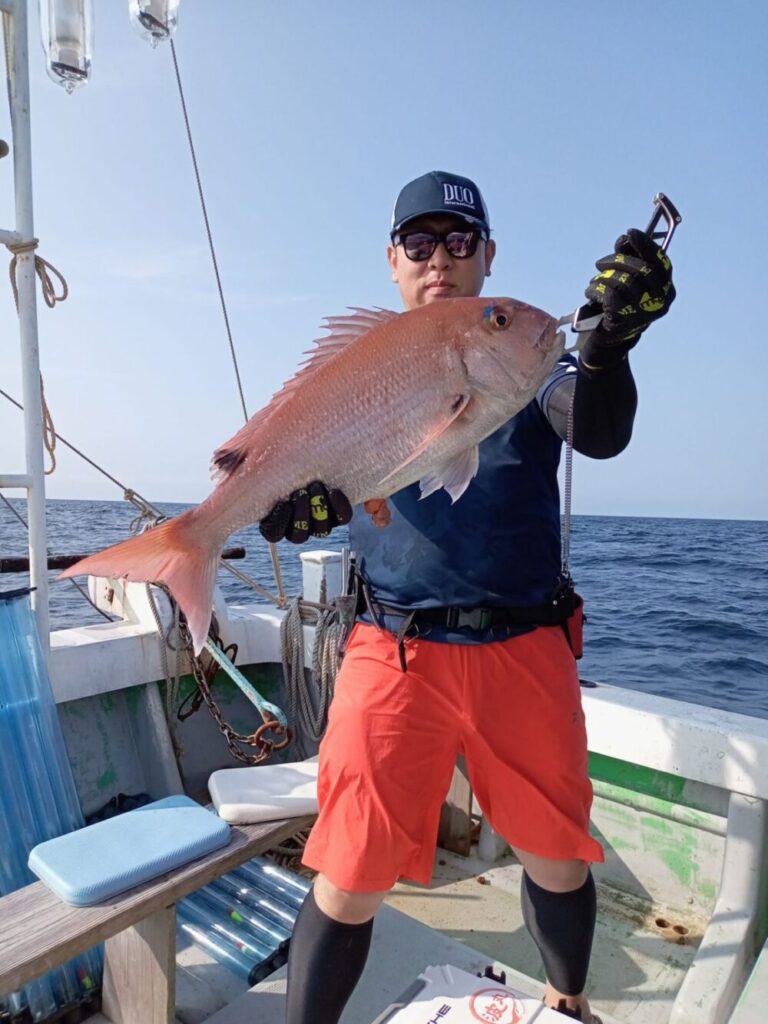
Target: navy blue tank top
[498, 545]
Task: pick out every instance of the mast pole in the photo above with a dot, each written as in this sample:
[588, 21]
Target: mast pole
[30, 352]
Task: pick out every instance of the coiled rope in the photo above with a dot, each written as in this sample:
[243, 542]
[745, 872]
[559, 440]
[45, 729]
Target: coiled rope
[43, 269]
[308, 711]
[325, 652]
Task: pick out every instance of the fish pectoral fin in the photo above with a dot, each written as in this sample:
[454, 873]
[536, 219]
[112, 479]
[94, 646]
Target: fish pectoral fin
[454, 475]
[226, 461]
[379, 511]
[229, 457]
[458, 405]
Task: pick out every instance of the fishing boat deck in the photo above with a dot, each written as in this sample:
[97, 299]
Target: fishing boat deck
[637, 965]
[680, 885]
[458, 919]
[681, 809]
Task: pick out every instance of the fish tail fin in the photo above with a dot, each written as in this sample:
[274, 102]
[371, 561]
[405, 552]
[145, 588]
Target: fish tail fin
[173, 553]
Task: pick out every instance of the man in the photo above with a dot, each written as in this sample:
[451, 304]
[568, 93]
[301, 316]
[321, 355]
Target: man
[462, 647]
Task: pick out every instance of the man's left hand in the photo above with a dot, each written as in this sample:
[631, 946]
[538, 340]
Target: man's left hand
[311, 511]
[634, 287]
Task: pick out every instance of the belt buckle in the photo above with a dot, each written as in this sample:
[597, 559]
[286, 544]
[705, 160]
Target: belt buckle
[475, 618]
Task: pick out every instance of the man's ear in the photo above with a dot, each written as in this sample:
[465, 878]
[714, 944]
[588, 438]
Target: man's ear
[392, 260]
[490, 252]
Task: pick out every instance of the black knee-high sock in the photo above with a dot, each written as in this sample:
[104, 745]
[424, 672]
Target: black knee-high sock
[562, 924]
[325, 962]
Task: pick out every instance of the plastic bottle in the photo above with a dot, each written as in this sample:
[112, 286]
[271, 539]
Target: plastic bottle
[256, 950]
[229, 907]
[67, 32]
[190, 924]
[278, 883]
[154, 20]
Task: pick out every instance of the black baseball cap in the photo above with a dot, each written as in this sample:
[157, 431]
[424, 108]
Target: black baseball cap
[440, 192]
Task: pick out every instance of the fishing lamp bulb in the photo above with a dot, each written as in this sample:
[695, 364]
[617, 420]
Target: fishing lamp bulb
[154, 20]
[67, 32]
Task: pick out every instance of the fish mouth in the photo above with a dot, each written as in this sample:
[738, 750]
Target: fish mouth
[547, 341]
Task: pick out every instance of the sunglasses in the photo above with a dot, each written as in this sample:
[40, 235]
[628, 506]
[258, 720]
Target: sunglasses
[419, 245]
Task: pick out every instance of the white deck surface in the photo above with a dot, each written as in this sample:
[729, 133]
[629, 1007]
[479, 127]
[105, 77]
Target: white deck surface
[636, 966]
[401, 948]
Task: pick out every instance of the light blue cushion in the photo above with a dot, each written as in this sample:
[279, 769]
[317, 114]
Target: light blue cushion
[101, 860]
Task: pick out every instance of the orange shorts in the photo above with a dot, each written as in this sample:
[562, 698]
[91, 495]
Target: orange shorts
[512, 708]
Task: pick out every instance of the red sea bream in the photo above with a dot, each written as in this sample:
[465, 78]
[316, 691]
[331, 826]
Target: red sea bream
[384, 400]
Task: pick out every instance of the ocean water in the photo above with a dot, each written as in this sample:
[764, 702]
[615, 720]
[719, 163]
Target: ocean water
[675, 607]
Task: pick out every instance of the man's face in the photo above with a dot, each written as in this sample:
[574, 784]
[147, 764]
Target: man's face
[442, 276]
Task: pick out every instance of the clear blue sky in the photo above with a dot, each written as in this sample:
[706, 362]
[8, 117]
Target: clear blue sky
[308, 118]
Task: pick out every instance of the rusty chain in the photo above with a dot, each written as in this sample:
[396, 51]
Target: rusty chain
[203, 674]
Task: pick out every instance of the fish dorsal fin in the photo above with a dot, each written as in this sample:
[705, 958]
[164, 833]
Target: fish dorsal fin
[458, 406]
[357, 322]
[343, 331]
[455, 475]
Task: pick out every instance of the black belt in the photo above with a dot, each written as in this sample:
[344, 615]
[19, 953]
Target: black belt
[552, 613]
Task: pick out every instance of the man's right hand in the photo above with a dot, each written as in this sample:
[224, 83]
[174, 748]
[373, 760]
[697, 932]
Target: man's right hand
[311, 511]
[634, 287]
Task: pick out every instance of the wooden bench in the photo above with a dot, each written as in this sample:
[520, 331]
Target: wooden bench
[38, 932]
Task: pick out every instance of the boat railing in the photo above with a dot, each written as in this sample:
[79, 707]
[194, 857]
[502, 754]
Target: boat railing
[726, 755]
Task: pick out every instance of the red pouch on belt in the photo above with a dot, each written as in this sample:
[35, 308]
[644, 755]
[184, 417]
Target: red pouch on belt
[574, 627]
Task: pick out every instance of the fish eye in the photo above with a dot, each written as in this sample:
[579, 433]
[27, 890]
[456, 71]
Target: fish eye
[497, 316]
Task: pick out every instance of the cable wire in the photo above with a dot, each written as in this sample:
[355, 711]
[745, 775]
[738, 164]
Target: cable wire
[208, 229]
[272, 547]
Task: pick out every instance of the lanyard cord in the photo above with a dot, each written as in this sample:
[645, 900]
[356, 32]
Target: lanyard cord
[566, 563]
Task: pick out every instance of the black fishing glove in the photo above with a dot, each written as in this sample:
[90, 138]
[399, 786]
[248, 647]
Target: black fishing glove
[311, 511]
[634, 287]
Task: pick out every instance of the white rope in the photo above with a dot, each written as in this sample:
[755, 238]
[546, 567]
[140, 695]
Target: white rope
[325, 654]
[303, 716]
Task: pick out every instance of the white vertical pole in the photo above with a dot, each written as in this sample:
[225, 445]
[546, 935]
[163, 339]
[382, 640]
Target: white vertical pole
[30, 353]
